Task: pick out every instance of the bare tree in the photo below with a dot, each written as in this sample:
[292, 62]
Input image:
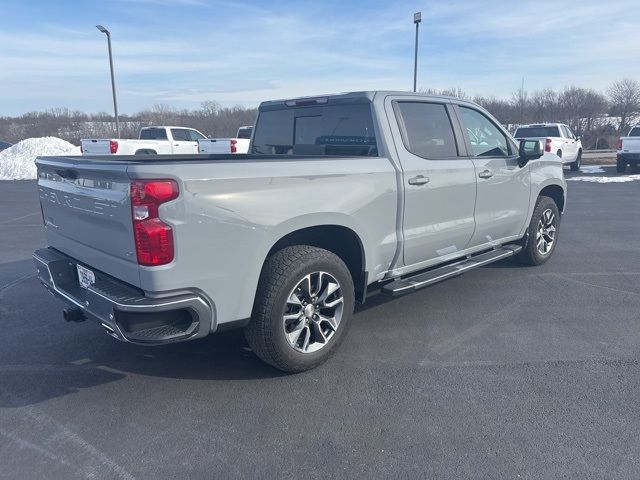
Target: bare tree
[624, 96]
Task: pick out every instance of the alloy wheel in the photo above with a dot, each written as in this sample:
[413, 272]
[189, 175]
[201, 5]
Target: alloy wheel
[313, 312]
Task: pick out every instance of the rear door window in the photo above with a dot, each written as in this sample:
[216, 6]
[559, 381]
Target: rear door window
[635, 132]
[426, 129]
[180, 135]
[345, 130]
[485, 138]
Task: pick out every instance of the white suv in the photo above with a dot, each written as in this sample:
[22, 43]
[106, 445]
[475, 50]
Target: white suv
[558, 138]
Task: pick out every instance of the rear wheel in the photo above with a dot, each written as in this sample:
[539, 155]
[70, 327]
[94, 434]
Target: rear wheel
[575, 166]
[303, 304]
[621, 166]
[542, 233]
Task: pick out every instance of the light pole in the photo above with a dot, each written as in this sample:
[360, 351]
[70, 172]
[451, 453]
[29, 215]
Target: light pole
[113, 82]
[417, 18]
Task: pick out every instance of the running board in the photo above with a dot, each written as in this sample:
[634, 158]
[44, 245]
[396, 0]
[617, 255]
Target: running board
[409, 284]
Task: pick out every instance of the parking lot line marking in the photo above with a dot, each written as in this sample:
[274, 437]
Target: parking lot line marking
[18, 218]
[15, 282]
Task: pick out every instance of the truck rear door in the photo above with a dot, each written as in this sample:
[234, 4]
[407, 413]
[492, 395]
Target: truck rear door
[86, 208]
[182, 143]
[439, 180]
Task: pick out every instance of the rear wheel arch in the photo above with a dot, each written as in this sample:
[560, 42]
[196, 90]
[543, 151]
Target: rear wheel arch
[145, 151]
[337, 239]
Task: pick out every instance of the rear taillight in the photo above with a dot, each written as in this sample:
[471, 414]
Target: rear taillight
[234, 145]
[619, 144]
[153, 237]
[547, 145]
[113, 146]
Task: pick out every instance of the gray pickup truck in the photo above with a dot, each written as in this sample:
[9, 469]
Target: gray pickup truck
[340, 197]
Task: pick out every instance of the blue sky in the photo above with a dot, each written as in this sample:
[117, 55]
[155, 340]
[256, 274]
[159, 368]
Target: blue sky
[183, 52]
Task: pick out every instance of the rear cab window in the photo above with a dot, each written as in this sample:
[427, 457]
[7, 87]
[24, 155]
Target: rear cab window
[245, 132]
[535, 132]
[635, 132]
[341, 129]
[153, 134]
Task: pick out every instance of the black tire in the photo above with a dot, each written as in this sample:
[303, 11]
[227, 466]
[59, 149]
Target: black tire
[530, 254]
[621, 166]
[575, 166]
[280, 275]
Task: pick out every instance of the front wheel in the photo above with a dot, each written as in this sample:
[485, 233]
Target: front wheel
[542, 233]
[303, 304]
[575, 166]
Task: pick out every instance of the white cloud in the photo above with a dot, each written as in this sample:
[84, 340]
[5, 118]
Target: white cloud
[236, 53]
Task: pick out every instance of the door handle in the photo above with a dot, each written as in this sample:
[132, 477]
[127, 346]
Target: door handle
[485, 174]
[419, 180]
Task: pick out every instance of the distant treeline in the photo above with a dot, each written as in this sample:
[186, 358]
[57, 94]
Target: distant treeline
[211, 119]
[599, 117]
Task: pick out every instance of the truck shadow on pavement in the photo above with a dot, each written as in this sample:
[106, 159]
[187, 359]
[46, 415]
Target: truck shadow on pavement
[43, 357]
[26, 380]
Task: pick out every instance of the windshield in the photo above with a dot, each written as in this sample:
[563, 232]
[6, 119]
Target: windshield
[319, 130]
[533, 132]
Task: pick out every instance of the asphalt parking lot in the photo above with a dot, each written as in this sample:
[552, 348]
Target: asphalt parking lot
[505, 372]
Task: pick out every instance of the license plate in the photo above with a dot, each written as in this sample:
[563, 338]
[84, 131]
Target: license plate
[85, 276]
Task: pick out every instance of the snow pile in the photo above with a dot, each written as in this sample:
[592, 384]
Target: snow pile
[624, 179]
[592, 169]
[17, 162]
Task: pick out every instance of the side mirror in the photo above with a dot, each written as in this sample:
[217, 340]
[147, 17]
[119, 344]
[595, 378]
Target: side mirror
[529, 150]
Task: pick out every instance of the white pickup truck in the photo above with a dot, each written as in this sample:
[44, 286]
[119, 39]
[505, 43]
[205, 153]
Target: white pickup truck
[163, 140]
[558, 138]
[239, 144]
[629, 150]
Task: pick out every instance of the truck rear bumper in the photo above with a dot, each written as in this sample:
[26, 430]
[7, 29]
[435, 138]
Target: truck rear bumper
[629, 157]
[124, 311]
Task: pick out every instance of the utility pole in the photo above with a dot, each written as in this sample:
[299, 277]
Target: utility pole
[417, 18]
[113, 82]
[522, 102]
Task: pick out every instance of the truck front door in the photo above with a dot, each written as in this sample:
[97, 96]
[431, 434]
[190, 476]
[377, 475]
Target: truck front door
[439, 180]
[502, 201]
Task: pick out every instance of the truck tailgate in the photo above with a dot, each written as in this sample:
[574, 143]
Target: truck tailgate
[87, 213]
[96, 147]
[630, 145]
[214, 145]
